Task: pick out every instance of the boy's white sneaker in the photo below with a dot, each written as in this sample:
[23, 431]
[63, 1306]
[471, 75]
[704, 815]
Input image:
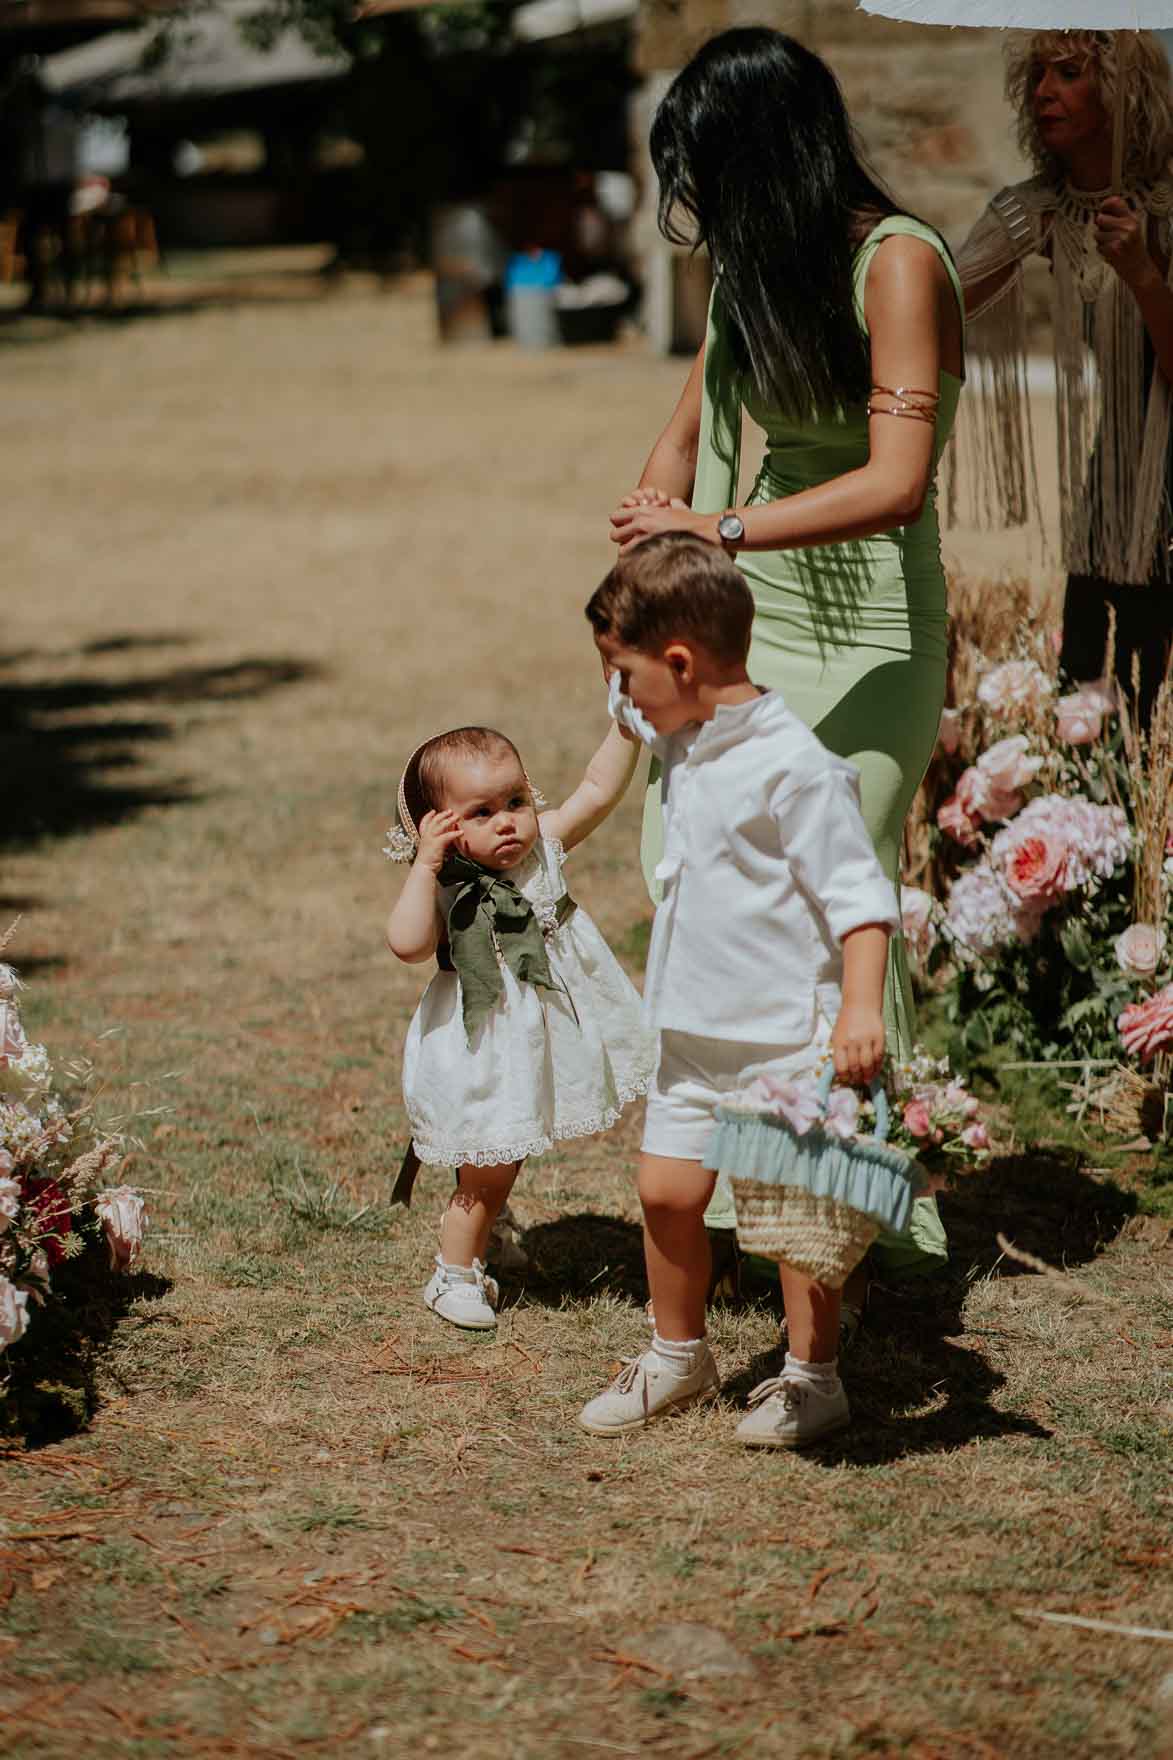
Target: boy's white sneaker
[790, 1412]
[648, 1387]
[463, 1294]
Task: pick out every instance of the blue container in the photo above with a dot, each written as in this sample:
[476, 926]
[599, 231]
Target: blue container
[530, 280]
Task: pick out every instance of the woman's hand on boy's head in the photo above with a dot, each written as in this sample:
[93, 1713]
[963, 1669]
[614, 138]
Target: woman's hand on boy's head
[438, 832]
[648, 511]
[857, 1043]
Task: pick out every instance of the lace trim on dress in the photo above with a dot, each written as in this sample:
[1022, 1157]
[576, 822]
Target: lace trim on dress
[453, 1155]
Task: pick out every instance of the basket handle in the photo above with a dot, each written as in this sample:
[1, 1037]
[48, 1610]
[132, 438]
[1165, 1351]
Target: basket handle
[879, 1097]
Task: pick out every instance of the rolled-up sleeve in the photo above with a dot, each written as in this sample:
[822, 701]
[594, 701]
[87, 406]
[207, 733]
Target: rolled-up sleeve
[831, 853]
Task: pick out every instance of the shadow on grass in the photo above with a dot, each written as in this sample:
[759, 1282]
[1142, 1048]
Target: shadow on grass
[69, 746]
[914, 1344]
[53, 1371]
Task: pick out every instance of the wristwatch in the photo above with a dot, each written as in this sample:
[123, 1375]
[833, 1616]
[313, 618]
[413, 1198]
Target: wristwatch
[731, 528]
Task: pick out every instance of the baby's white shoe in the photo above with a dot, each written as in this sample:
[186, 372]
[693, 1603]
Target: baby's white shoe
[463, 1295]
[790, 1412]
[665, 1378]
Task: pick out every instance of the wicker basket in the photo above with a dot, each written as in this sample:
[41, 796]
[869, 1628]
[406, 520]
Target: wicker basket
[815, 1201]
[819, 1236]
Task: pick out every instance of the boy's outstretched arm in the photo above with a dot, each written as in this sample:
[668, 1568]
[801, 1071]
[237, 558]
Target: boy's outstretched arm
[857, 1041]
[598, 794]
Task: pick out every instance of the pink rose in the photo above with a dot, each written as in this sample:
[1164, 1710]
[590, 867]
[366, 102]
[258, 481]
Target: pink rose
[1006, 768]
[956, 823]
[917, 1119]
[949, 732]
[1140, 949]
[1036, 870]
[976, 1136]
[1147, 1027]
[1077, 721]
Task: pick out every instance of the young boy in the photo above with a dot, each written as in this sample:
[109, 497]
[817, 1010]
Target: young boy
[768, 948]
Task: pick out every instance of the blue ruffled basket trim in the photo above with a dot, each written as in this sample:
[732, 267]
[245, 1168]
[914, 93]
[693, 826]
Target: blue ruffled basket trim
[862, 1173]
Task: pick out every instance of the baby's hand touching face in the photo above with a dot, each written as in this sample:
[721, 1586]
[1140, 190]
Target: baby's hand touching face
[439, 831]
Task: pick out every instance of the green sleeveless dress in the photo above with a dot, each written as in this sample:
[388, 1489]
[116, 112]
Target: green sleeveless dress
[853, 635]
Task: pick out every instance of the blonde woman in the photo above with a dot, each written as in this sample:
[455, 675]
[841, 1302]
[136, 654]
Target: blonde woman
[1112, 310]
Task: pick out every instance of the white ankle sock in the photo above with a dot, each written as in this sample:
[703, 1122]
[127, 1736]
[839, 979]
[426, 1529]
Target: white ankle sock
[682, 1355]
[823, 1377]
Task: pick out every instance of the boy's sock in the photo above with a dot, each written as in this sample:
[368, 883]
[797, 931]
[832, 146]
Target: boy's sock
[823, 1377]
[682, 1355]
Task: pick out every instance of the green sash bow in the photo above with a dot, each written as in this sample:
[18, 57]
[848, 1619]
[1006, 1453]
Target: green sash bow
[490, 912]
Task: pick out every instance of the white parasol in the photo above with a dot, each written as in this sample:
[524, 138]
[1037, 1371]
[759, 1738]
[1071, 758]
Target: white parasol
[1121, 16]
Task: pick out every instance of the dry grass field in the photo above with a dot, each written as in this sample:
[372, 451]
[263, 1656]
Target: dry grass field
[252, 552]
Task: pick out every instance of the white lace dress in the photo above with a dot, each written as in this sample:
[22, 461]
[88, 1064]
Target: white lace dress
[533, 1073]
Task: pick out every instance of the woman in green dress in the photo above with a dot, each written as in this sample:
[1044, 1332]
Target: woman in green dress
[836, 324]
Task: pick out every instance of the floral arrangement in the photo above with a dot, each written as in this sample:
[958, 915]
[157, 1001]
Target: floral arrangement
[1045, 844]
[933, 1115]
[59, 1176]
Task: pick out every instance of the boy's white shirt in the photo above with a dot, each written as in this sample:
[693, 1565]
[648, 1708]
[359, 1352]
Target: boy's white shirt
[767, 865]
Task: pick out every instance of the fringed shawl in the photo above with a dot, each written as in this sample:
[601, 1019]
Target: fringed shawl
[1113, 415]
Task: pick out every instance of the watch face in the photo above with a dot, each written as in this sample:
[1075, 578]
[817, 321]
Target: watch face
[730, 528]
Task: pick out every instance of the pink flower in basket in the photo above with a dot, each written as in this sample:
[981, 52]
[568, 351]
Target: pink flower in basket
[956, 823]
[842, 1116]
[1036, 869]
[976, 1136]
[14, 1316]
[917, 1119]
[1139, 950]
[1147, 1027]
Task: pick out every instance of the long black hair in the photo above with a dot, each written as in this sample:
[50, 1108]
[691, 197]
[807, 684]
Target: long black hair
[753, 143]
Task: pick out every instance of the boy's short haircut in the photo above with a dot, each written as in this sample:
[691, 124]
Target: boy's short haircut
[424, 779]
[675, 587]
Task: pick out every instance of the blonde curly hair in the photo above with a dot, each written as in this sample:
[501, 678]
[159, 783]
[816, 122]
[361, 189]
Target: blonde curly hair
[1149, 95]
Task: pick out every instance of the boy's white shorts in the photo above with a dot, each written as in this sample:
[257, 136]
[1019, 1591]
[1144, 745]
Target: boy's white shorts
[696, 1074]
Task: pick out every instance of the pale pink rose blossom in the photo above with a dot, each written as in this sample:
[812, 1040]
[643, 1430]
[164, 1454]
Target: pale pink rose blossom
[954, 1097]
[1079, 717]
[1140, 949]
[6, 1162]
[124, 1217]
[1009, 765]
[976, 1136]
[1098, 838]
[1014, 689]
[842, 1115]
[949, 732]
[1147, 1027]
[956, 823]
[1036, 870]
[916, 921]
[14, 1317]
[917, 1121]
